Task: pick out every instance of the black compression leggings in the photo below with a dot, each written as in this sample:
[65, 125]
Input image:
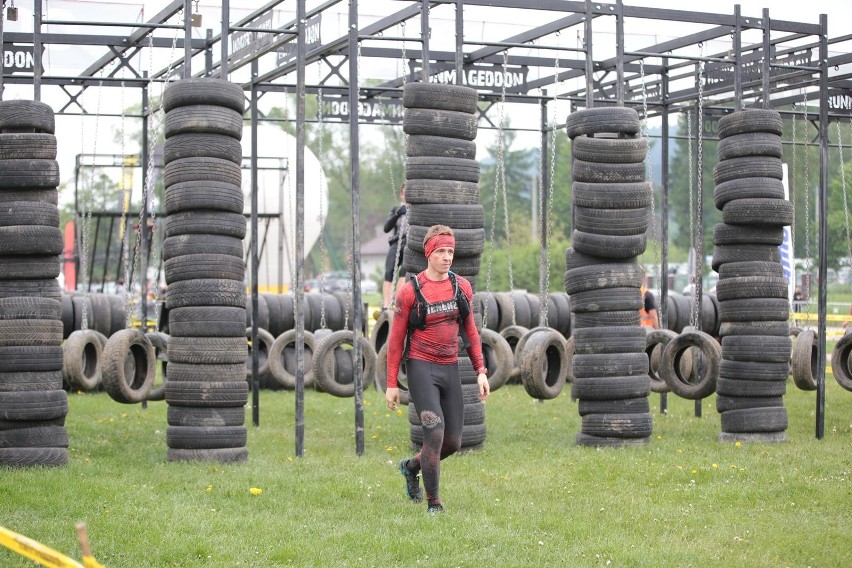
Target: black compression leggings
[436, 393]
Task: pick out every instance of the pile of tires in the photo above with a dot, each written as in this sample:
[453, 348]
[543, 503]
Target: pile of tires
[442, 187]
[752, 290]
[679, 307]
[33, 404]
[106, 313]
[611, 203]
[206, 388]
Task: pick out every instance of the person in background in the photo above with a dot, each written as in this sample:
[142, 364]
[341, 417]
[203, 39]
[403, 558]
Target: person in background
[396, 225]
[797, 303]
[649, 317]
[432, 360]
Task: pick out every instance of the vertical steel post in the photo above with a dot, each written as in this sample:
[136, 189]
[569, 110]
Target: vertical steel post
[255, 346]
[300, 228]
[208, 53]
[424, 36]
[662, 309]
[619, 52]
[543, 196]
[187, 38]
[823, 222]
[2, 55]
[767, 56]
[226, 29]
[355, 180]
[459, 40]
[590, 64]
[738, 60]
[37, 50]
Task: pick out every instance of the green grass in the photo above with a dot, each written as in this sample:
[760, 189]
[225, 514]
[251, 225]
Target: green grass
[531, 497]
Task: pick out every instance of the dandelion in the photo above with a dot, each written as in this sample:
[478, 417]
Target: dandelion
[737, 444]
[255, 490]
[209, 489]
[715, 466]
[694, 471]
[374, 437]
[733, 466]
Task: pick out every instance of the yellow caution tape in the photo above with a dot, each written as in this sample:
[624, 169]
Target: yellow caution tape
[38, 552]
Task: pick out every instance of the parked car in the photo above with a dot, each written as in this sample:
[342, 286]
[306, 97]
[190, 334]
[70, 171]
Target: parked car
[335, 281]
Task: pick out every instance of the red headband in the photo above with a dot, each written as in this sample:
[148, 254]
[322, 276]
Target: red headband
[439, 241]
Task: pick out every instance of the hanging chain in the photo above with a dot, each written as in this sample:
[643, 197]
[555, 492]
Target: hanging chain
[550, 185]
[699, 262]
[321, 155]
[658, 267]
[87, 212]
[793, 195]
[126, 196]
[501, 181]
[808, 263]
[404, 59]
[843, 187]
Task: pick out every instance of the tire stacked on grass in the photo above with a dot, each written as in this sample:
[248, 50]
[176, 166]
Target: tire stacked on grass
[203, 256]
[442, 187]
[752, 290]
[603, 279]
[33, 404]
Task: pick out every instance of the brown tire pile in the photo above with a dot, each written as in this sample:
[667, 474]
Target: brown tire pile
[752, 290]
[33, 404]
[203, 255]
[603, 279]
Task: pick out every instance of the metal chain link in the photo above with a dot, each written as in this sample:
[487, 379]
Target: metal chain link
[690, 153]
[87, 213]
[321, 156]
[658, 267]
[404, 62]
[699, 262]
[843, 187]
[808, 263]
[550, 186]
[501, 182]
[793, 194]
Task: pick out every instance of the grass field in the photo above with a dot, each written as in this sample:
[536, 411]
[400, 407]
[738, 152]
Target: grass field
[531, 497]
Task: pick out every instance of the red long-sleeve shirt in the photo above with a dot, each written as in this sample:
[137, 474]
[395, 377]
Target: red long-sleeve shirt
[439, 342]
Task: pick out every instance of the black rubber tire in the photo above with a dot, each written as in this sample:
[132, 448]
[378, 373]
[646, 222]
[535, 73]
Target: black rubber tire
[202, 169]
[617, 425]
[747, 188]
[750, 144]
[620, 222]
[206, 222]
[194, 195]
[615, 120]
[121, 387]
[30, 195]
[754, 268]
[740, 388]
[26, 116]
[609, 442]
[262, 313]
[618, 406]
[439, 96]
[449, 192]
[202, 244]
[220, 455]
[608, 246]
[499, 358]
[469, 242]
[624, 318]
[204, 90]
[382, 376]
[607, 388]
[449, 123]
[83, 303]
[756, 348]
[751, 287]
[656, 341]
[474, 413]
[765, 419]
[610, 365]
[468, 267]
[612, 195]
[27, 213]
[30, 332]
[206, 292]
[16, 174]
[33, 405]
[778, 328]
[457, 217]
[576, 259]
[604, 173]
[207, 321]
[326, 376]
[804, 360]
[742, 234]
[543, 364]
[23, 307]
[755, 309]
[207, 350]
[754, 370]
[192, 416]
[840, 362]
[613, 275]
[726, 403]
[723, 254]
[432, 167]
[758, 211]
[426, 145]
[692, 388]
[42, 288]
[610, 150]
[83, 358]
[473, 435]
[30, 358]
[277, 358]
[33, 457]
[750, 120]
[30, 240]
[101, 314]
[196, 145]
[30, 381]
[204, 119]
[39, 437]
[207, 393]
[27, 146]
[612, 340]
[192, 266]
[265, 341]
[219, 372]
[205, 437]
[739, 168]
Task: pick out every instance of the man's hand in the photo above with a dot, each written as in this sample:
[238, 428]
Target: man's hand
[392, 397]
[484, 387]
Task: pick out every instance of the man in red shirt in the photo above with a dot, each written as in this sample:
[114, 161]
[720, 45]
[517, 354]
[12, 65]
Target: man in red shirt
[432, 363]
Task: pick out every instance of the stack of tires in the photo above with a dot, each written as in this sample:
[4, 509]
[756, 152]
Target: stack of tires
[442, 187]
[752, 290]
[611, 199]
[203, 253]
[33, 404]
[106, 313]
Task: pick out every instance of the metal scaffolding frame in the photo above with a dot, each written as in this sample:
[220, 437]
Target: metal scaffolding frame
[613, 80]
